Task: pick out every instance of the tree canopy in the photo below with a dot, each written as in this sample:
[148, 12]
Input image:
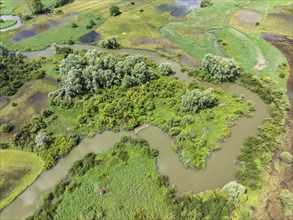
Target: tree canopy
[197, 100]
[221, 68]
[96, 70]
[114, 10]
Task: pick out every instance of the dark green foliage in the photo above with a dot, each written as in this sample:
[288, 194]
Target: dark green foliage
[70, 42]
[74, 25]
[6, 128]
[53, 147]
[114, 10]
[258, 150]
[60, 3]
[211, 204]
[205, 3]
[101, 72]
[36, 6]
[197, 100]
[110, 43]
[15, 71]
[165, 69]
[221, 68]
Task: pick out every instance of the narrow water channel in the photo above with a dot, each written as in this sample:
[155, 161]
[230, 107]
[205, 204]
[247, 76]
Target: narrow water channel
[220, 165]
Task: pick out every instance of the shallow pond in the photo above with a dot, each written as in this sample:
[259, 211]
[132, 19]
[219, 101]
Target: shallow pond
[220, 165]
[35, 29]
[90, 37]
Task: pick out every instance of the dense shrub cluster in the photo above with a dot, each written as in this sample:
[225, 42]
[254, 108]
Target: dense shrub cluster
[110, 43]
[119, 108]
[221, 68]
[6, 128]
[33, 137]
[257, 153]
[286, 198]
[211, 204]
[60, 3]
[205, 3]
[16, 70]
[96, 70]
[196, 100]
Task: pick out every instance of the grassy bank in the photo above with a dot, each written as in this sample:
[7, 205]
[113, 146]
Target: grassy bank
[119, 184]
[18, 170]
[8, 23]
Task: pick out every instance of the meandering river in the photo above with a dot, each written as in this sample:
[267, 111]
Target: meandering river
[220, 165]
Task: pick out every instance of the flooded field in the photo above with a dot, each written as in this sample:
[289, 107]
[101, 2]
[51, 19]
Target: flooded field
[90, 37]
[35, 29]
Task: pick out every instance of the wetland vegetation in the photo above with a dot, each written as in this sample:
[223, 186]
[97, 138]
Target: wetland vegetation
[52, 103]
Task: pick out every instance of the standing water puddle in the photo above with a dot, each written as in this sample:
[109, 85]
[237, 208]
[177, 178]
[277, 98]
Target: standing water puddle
[90, 37]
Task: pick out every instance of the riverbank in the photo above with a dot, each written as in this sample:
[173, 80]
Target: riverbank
[168, 162]
[280, 176]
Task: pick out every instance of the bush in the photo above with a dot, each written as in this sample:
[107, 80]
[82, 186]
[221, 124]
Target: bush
[60, 3]
[74, 25]
[205, 3]
[165, 69]
[70, 42]
[110, 43]
[221, 68]
[235, 190]
[286, 157]
[286, 198]
[197, 100]
[114, 10]
[6, 128]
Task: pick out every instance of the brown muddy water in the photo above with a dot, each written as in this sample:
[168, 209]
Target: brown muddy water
[220, 165]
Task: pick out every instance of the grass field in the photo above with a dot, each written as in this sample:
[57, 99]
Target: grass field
[18, 170]
[47, 37]
[236, 41]
[19, 6]
[130, 27]
[132, 189]
[8, 23]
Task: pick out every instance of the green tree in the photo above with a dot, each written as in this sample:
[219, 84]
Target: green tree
[165, 69]
[286, 157]
[110, 43]
[3, 50]
[114, 10]
[286, 198]
[221, 68]
[235, 190]
[205, 3]
[6, 128]
[36, 6]
[197, 100]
